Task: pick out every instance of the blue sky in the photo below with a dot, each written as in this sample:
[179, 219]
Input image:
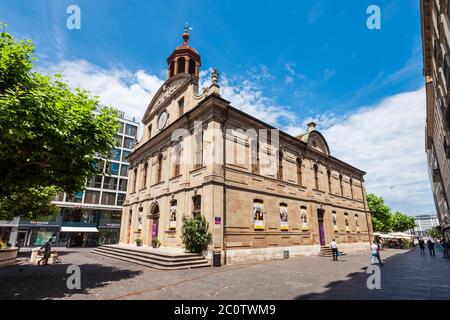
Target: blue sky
[290, 60]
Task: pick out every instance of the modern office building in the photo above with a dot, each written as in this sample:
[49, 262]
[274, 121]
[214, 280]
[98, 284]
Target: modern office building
[90, 217]
[424, 223]
[435, 16]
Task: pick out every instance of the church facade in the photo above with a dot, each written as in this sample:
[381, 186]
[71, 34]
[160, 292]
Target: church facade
[262, 190]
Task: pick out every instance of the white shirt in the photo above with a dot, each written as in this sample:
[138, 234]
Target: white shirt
[333, 244]
[374, 248]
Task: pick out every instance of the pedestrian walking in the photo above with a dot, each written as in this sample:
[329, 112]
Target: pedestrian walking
[430, 245]
[422, 246]
[375, 252]
[334, 248]
[445, 246]
[47, 252]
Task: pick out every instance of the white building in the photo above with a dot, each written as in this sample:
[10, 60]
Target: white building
[424, 223]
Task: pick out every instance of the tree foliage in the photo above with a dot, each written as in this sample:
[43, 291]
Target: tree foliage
[383, 220]
[435, 232]
[195, 234]
[49, 135]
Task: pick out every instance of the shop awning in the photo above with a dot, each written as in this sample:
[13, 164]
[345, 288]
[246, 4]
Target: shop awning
[79, 229]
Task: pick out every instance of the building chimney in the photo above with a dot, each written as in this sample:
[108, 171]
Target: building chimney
[311, 126]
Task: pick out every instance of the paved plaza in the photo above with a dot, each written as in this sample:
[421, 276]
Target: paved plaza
[405, 275]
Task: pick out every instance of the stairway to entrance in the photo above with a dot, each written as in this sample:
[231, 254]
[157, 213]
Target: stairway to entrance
[325, 251]
[163, 259]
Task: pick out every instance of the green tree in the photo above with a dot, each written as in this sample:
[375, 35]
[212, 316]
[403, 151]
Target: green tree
[435, 232]
[380, 212]
[195, 234]
[401, 222]
[48, 134]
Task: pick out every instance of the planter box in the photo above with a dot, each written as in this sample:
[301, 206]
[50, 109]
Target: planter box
[8, 256]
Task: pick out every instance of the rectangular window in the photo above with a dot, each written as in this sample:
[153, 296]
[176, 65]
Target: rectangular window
[87, 216]
[255, 156]
[284, 225]
[123, 184]
[125, 155]
[124, 170]
[115, 154]
[92, 197]
[119, 139]
[258, 215]
[121, 128]
[131, 130]
[109, 198]
[128, 143]
[304, 218]
[120, 199]
[177, 160]
[95, 181]
[75, 197]
[173, 215]
[110, 183]
[199, 149]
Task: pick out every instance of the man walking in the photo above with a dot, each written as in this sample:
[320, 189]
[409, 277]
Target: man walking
[334, 248]
[431, 247]
[422, 246]
[375, 251]
[47, 252]
[445, 248]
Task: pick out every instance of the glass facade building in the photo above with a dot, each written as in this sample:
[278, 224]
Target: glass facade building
[90, 217]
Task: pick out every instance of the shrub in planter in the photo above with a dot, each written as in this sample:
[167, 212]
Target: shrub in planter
[195, 234]
[3, 244]
[138, 241]
[156, 243]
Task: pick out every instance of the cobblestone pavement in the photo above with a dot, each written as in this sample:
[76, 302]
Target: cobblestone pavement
[405, 275]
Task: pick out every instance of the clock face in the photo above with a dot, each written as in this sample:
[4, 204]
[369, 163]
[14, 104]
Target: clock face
[162, 121]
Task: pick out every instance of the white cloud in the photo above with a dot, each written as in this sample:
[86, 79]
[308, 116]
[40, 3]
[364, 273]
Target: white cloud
[387, 141]
[127, 91]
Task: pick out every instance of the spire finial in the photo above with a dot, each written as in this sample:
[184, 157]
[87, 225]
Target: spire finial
[186, 34]
[215, 76]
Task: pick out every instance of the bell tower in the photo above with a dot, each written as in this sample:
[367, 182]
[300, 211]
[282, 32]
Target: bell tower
[184, 59]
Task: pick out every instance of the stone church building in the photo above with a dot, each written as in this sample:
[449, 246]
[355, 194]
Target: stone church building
[262, 190]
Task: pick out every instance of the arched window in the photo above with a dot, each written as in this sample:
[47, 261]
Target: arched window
[177, 160]
[191, 67]
[304, 218]
[334, 217]
[197, 201]
[144, 175]
[258, 215]
[172, 69]
[199, 149]
[284, 226]
[347, 226]
[135, 172]
[173, 215]
[316, 177]
[329, 181]
[280, 165]
[181, 65]
[255, 155]
[299, 172]
[357, 222]
[341, 184]
[159, 168]
[351, 188]
[139, 228]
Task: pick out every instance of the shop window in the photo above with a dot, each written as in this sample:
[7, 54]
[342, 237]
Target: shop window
[304, 218]
[197, 201]
[284, 225]
[92, 197]
[173, 215]
[75, 215]
[109, 198]
[110, 218]
[258, 215]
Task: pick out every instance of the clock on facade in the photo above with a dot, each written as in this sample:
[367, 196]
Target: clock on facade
[162, 120]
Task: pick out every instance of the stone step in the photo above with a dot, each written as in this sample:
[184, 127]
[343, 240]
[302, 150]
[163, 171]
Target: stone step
[152, 265]
[155, 256]
[163, 262]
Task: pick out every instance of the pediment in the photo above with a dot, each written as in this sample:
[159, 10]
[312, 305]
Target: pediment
[168, 89]
[317, 141]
